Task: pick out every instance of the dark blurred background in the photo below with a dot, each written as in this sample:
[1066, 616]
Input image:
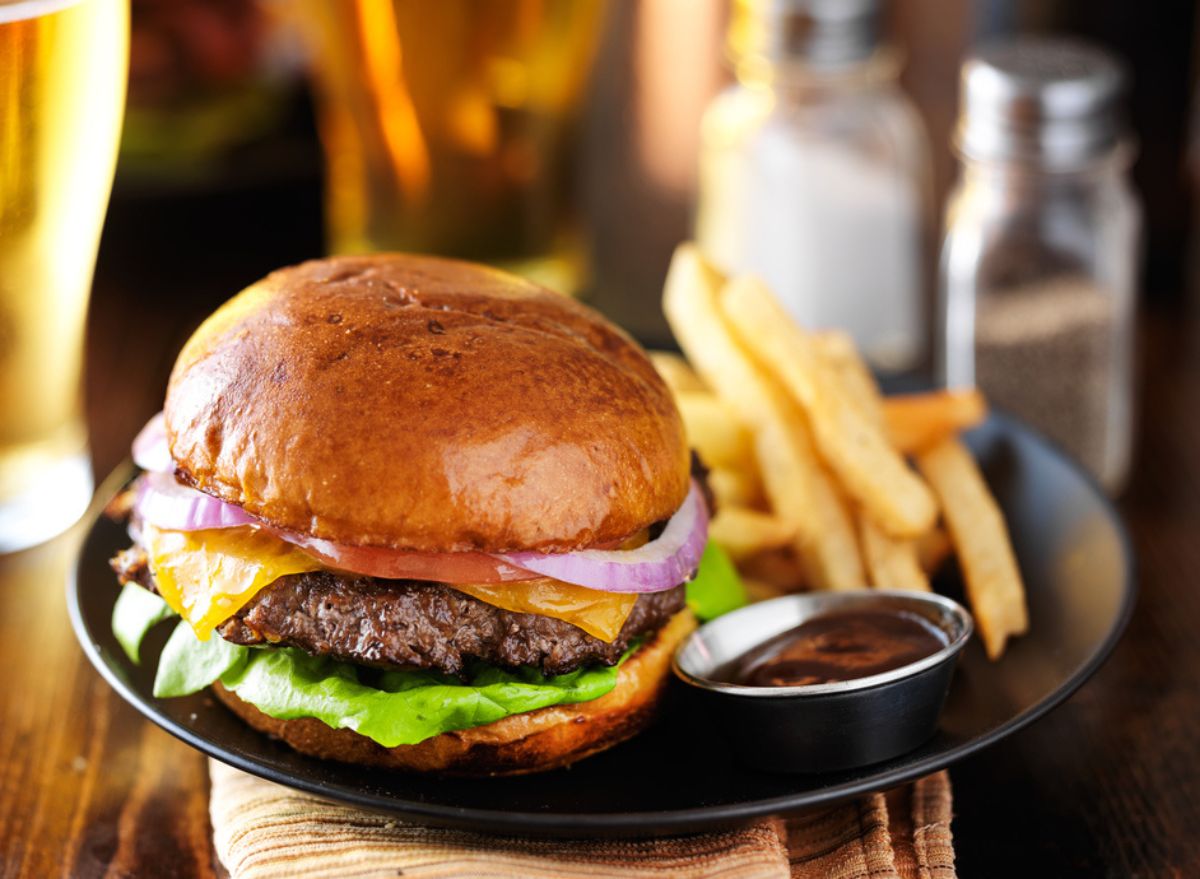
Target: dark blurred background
[221, 173]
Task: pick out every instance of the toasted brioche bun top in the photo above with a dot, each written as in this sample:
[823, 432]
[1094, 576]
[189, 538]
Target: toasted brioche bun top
[425, 404]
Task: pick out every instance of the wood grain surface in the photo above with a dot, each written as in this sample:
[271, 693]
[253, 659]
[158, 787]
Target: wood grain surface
[1107, 785]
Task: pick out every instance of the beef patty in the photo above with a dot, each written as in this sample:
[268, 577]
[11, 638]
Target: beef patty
[414, 624]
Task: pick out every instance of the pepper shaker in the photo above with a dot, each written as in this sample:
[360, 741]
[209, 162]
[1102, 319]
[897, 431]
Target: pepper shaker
[1039, 261]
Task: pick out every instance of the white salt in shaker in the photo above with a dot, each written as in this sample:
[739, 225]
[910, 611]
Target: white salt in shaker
[1039, 261]
[815, 174]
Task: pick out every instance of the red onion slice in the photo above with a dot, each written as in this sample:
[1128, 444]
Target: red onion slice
[661, 564]
[150, 450]
[165, 503]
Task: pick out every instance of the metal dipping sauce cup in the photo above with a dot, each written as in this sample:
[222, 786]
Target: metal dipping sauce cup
[821, 727]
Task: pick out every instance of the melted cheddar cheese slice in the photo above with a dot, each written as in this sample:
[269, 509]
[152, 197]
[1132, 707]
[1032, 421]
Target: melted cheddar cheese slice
[600, 614]
[208, 576]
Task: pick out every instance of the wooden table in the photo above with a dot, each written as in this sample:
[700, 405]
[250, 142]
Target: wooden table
[1107, 785]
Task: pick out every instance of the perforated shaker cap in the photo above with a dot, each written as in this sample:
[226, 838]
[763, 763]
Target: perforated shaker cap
[821, 34]
[1056, 102]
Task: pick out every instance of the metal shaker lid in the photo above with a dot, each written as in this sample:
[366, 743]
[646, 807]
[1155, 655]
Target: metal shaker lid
[1055, 102]
[820, 34]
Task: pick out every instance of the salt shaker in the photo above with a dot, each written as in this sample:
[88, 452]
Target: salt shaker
[815, 174]
[1039, 261]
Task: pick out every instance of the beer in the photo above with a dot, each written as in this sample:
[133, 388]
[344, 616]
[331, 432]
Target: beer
[448, 126]
[62, 89]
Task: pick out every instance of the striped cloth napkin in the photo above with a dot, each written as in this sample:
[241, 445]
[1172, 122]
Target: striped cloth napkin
[263, 830]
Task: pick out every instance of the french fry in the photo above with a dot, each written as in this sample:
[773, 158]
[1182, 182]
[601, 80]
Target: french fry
[918, 421]
[933, 548]
[850, 442]
[742, 532]
[676, 372]
[913, 421]
[799, 489]
[892, 563]
[981, 541]
[715, 430]
[763, 590]
[735, 488]
[779, 570]
[838, 351]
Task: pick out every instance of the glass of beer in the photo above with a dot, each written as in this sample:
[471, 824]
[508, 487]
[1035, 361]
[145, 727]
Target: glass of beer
[62, 93]
[448, 127]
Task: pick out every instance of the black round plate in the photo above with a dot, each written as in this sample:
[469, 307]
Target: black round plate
[679, 776]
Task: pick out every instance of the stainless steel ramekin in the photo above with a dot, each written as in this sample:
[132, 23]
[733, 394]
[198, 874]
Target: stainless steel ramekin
[821, 727]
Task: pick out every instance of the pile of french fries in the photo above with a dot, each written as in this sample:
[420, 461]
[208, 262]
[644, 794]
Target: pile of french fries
[810, 464]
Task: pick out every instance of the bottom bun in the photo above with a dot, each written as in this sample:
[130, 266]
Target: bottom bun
[535, 741]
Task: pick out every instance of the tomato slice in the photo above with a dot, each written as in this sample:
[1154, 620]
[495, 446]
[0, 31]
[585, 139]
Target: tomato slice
[439, 567]
[400, 564]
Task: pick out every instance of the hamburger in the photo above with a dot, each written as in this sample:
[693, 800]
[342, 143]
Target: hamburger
[419, 514]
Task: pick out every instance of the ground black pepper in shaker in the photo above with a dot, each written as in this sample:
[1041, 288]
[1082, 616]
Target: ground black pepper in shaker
[1038, 266]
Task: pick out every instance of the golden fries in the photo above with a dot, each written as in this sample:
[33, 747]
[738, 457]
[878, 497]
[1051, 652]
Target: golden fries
[838, 351]
[676, 372]
[799, 489]
[690, 304]
[809, 459]
[715, 430]
[735, 488]
[917, 421]
[764, 590]
[981, 541]
[743, 532]
[851, 443]
[933, 548]
[891, 563]
[780, 570]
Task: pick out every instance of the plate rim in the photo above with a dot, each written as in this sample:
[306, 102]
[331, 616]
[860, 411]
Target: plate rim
[643, 823]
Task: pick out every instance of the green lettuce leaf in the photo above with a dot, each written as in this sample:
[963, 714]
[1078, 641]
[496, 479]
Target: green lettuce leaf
[136, 612]
[717, 588]
[403, 707]
[392, 708]
[188, 665]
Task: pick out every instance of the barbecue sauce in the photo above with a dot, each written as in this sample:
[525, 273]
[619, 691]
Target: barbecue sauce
[839, 646]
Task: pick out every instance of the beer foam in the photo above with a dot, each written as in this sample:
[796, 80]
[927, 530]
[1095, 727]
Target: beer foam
[19, 10]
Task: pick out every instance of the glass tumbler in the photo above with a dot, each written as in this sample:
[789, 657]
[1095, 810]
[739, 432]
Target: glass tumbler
[62, 97]
[448, 127]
